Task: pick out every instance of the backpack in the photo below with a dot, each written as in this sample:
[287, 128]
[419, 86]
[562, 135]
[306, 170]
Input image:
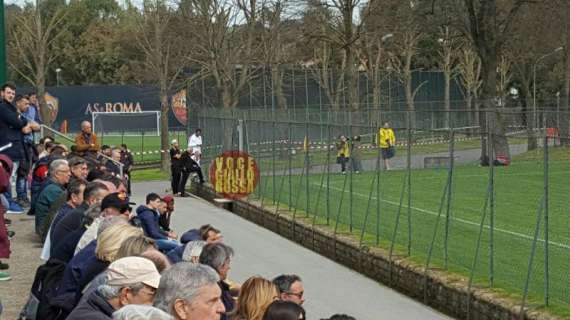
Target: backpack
[43, 288]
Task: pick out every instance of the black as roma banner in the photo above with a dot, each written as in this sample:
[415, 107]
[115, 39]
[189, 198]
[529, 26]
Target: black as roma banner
[234, 174]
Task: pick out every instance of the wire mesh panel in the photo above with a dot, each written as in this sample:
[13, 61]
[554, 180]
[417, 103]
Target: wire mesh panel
[481, 194]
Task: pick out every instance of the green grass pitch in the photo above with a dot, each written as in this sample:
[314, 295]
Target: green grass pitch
[518, 192]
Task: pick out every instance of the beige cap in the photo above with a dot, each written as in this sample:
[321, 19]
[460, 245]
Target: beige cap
[131, 270]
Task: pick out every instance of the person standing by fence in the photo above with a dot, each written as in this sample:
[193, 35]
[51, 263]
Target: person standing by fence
[356, 154]
[128, 162]
[195, 142]
[175, 167]
[343, 153]
[386, 141]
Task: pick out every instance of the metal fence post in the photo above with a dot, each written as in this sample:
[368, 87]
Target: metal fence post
[142, 147]
[350, 172]
[449, 195]
[409, 180]
[328, 169]
[378, 171]
[491, 157]
[546, 220]
[539, 213]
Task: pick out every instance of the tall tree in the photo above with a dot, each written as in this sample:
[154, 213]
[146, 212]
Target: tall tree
[32, 40]
[488, 24]
[158, 37]
[225, 47]
[469, 69]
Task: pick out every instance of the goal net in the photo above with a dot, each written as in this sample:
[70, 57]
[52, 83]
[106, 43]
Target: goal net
[126, 123]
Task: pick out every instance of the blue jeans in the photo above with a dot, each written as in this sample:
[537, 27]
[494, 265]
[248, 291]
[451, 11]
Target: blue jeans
[22, 187]
[13, 180]
[165, 245]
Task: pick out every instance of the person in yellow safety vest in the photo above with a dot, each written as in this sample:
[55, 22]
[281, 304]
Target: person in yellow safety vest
[386, 141]
[343, 153]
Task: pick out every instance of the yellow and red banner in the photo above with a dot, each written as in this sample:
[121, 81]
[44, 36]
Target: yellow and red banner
[234, 174]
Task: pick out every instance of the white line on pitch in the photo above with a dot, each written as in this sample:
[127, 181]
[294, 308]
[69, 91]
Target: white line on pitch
[524, 236]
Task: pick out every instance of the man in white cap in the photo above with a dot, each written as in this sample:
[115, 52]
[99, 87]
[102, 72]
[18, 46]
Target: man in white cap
[175, 167]
[130, 280]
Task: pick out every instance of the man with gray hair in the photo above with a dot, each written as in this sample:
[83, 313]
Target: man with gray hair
[130, 280]
[59, 174]
[190, 291]
[290, 288]
[218, 256]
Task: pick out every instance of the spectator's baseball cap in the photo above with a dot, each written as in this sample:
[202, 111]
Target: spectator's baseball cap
[167, 198]
[118, 200]
[174, 141]
[132, 270]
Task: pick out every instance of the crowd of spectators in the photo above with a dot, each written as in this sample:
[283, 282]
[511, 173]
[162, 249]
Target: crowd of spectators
[106, 260]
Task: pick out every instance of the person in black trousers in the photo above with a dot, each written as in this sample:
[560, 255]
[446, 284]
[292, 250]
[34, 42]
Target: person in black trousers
[175, 168]
[128, 162]
[189, 165]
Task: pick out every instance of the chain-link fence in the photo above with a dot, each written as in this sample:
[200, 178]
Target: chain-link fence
[482, 194]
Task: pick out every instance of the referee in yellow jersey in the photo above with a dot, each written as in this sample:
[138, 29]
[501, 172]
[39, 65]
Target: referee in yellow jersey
[386, 141]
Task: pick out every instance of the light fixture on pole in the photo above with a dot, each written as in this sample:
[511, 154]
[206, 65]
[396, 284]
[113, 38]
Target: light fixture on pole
[534, 82]
[57, 72]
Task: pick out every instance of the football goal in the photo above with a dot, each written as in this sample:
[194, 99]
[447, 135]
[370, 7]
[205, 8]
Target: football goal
[126, 123]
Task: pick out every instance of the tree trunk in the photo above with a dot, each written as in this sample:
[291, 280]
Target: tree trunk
[491, 114]
[164, 108]
[528, 121]
[468, 108]
[446, 96]
[277, 81]
[410, 107]
[44, 109]
[228, 122]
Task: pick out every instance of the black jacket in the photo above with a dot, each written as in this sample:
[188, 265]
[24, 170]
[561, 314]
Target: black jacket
[11, 124]
[94, 308]
[71, 222]
[175, 162]
[127, 161]
[227, 299]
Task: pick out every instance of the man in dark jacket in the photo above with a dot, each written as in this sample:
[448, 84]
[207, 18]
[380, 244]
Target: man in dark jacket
[148, 216]
[130, 280]
[13, 126]
[94, 192]
[189, 165]
[128, 162]
[218, 256]
[175, 168]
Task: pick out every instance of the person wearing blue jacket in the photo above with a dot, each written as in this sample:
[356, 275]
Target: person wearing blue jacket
[148, 216]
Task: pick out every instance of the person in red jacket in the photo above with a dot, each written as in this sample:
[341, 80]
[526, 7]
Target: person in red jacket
[5, 170]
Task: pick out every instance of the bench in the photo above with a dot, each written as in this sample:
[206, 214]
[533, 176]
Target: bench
[436, 162]
[223, 203]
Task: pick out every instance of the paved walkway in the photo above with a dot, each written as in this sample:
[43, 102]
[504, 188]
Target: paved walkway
[329, 287]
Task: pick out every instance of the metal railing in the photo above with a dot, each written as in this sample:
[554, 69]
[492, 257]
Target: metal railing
[45, 129]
